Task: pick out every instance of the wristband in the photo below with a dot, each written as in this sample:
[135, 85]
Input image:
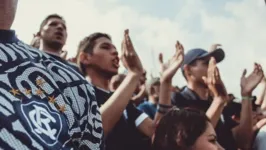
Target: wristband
[163, 109]
[250, 98]
[165, 106]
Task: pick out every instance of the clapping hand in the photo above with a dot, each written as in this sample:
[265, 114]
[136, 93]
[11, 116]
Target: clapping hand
[249, 83]
[214, 81]
[174, 63]
[129, 56]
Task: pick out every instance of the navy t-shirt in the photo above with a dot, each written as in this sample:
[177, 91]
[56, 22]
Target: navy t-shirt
[44, 104]
[125, 135]
[188, 98]
[149, 108]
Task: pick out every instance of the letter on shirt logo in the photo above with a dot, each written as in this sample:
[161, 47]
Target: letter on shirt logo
[41, 120]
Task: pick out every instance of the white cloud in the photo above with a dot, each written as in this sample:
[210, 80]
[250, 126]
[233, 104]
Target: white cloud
[240, 28]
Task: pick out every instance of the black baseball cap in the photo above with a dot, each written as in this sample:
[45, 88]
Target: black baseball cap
[198, 53]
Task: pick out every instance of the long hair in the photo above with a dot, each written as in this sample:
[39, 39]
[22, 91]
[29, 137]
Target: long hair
[179, 129]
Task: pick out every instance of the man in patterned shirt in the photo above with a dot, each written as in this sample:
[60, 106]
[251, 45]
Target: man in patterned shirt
[44, 104]
[53, 35]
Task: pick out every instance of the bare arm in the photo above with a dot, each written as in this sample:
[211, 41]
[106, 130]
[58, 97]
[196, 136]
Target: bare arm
[112, 110]
[261, 97]
[148, 126]
[215, 110]
[140, 96]
[216, 86]
[243, 134]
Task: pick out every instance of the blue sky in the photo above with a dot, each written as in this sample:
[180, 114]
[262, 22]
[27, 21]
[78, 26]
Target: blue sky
[239, 25]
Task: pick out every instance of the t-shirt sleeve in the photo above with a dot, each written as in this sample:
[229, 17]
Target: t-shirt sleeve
[134, 116]
[260, 140]
[178, 100]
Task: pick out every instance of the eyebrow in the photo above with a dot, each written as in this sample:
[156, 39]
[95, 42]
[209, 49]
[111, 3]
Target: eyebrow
[64, 25]
[109, 44]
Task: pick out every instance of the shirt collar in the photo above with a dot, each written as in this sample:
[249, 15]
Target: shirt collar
[8, 36]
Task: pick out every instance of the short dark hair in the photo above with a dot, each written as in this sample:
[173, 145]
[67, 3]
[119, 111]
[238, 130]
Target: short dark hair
[184, 125]
[44, 22]
[87, 45]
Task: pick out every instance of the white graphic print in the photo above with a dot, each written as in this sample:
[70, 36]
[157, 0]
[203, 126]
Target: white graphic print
[36, 116]
[43, 122]
[22, 100]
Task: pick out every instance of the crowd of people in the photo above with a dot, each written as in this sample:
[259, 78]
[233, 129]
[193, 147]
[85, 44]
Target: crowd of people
[50, 102]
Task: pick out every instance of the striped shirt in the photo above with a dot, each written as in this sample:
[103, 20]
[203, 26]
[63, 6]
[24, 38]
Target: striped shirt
[44, 104]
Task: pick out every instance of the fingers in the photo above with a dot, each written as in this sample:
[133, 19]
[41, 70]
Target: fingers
[211, 67]
[63, 54]
[128, 40]
[214, 47]
[256, 68]
[161, 58]
[244, 73]
[179, 49]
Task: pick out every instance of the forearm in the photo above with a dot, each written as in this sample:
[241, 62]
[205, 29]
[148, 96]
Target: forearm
[215, 110]
[113, 108]
[260, 99]
[244, 133]
[139, 97]
[148, 127]
[164, 99]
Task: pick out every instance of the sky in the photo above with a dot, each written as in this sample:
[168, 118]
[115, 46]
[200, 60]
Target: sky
[155, 26]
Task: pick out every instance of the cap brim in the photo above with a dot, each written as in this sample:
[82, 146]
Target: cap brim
[218, 54]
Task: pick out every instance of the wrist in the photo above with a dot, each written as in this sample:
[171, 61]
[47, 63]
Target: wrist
[220, 100]
[134, 74]
[246, 94]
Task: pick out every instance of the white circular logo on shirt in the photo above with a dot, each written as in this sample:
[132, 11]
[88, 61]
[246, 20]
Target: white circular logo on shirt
[44, 123]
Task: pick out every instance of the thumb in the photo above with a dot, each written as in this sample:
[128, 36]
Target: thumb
[161, 58]
[63, 55]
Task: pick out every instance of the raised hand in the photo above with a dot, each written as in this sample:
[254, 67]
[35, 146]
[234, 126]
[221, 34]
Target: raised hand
[129, 57]
[214, 81]
[64, 54]
[174, 63]
[249, 83]
[214, 47]
[163, 66]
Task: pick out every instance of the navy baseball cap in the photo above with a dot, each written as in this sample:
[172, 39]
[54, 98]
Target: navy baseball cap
[197, 53]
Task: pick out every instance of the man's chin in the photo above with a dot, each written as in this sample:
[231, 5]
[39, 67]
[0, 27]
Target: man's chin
[56, 44]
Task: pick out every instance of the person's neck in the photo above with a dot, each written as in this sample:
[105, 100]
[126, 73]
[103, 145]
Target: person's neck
[97, 79]
[50, 50]
[201, 91]
[7, 13]
[152, 100]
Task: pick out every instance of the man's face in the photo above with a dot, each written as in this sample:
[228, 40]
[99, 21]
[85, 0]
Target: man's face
[54, 31]
[105, 57]
[199, 69]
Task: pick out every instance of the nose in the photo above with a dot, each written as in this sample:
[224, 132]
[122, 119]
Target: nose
[114, 52]
[60, 27]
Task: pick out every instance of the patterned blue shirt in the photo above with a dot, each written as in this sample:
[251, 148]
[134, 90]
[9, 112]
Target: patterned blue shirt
[44, 104]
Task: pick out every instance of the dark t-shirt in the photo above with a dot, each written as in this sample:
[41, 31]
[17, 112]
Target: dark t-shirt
[149, 108]
[188, 98]
[44, 104]
[125, 135]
